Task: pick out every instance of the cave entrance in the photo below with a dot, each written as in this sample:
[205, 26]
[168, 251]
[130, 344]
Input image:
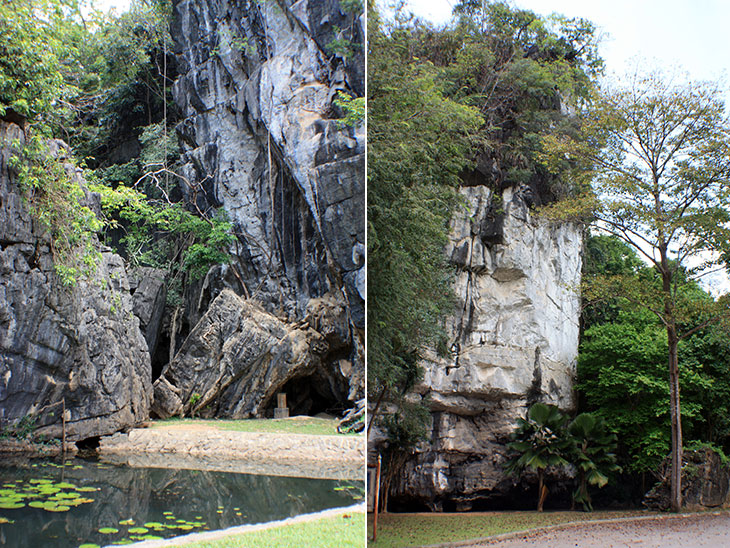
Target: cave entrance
[88, 447]
[309, 395]
[161, 355]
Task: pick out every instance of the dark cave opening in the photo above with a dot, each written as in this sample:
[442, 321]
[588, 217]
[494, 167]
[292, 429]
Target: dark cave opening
[309, 395]
[88, 446]
[161, 355]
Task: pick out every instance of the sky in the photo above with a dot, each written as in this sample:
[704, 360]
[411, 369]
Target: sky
[119, 6]
[690, 35]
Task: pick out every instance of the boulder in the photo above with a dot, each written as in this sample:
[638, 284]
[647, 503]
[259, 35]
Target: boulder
[705, 482]
[80, 346]
[239, 356]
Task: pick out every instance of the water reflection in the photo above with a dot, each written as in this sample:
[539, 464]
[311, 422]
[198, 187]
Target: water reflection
[174, 498]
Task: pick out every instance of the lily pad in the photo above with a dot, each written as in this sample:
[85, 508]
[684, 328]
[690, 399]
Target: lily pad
[68, 496]
[65, 485]
[153, 524]
[108, 530]
[11, 505]
[152, 537]
[129, 521]
[6, 520]
[87, 545]
[138, 530]
[58, 508]
[87, 489]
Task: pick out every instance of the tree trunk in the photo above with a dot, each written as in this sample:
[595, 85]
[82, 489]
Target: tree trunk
[542, 491]
[676, 414]
[675, 478]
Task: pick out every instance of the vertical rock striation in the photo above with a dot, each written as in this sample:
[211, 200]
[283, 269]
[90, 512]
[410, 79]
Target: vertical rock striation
[261, 139]
[82, 344]
[513, 341]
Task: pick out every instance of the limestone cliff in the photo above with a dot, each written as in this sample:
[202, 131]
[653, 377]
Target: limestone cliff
[82, 344]
[513, 340]
[261, 138]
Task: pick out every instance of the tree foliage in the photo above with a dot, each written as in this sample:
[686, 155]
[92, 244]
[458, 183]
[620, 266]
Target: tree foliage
[102, 82]
[592, 454]
[654, 160]
[418, 143]
[545, 438]
[35, 54]
[622, 364]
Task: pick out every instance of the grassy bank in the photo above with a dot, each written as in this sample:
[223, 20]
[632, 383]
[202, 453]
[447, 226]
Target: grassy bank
[343, 531]
[293, 425]
[400, 530]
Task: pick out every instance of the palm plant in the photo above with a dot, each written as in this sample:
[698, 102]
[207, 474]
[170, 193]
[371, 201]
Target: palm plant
[593, 447]
[541, 440]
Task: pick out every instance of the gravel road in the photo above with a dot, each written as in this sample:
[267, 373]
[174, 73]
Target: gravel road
[688, 531]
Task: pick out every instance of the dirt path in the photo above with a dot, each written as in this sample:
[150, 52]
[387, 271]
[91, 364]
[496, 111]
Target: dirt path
[685, 531]
[200, 447]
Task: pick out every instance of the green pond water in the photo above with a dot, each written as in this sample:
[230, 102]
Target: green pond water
[82, 503]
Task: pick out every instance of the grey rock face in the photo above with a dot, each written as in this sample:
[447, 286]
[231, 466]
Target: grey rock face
[705, 483]
[148, 289]
[239, 357]
[256, 88]
[82, 343]
[513, 340]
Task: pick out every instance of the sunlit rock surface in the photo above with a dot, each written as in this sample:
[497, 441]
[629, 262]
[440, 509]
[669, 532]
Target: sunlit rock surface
[513, 340]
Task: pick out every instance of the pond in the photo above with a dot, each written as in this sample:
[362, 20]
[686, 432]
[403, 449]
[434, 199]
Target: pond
[86, 503]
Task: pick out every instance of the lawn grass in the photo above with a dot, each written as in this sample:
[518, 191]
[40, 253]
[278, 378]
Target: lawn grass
[294, 425]
[400, 530]
[343, 531]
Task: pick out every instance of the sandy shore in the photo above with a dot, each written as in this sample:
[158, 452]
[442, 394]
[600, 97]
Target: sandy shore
[210, 448]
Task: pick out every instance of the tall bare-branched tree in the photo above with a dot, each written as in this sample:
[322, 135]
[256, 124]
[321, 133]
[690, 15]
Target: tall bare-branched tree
[653, 161]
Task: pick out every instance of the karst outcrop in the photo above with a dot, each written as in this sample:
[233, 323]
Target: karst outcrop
[263, 138]
[75, 346]
[512, 339]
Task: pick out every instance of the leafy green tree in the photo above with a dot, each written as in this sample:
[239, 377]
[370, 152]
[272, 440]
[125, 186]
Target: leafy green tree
[418, 144]
[708, 351]
[606, 255]
[522, 71]
[541, 440]
[592, 454]
[32, 51]
[653, 160]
